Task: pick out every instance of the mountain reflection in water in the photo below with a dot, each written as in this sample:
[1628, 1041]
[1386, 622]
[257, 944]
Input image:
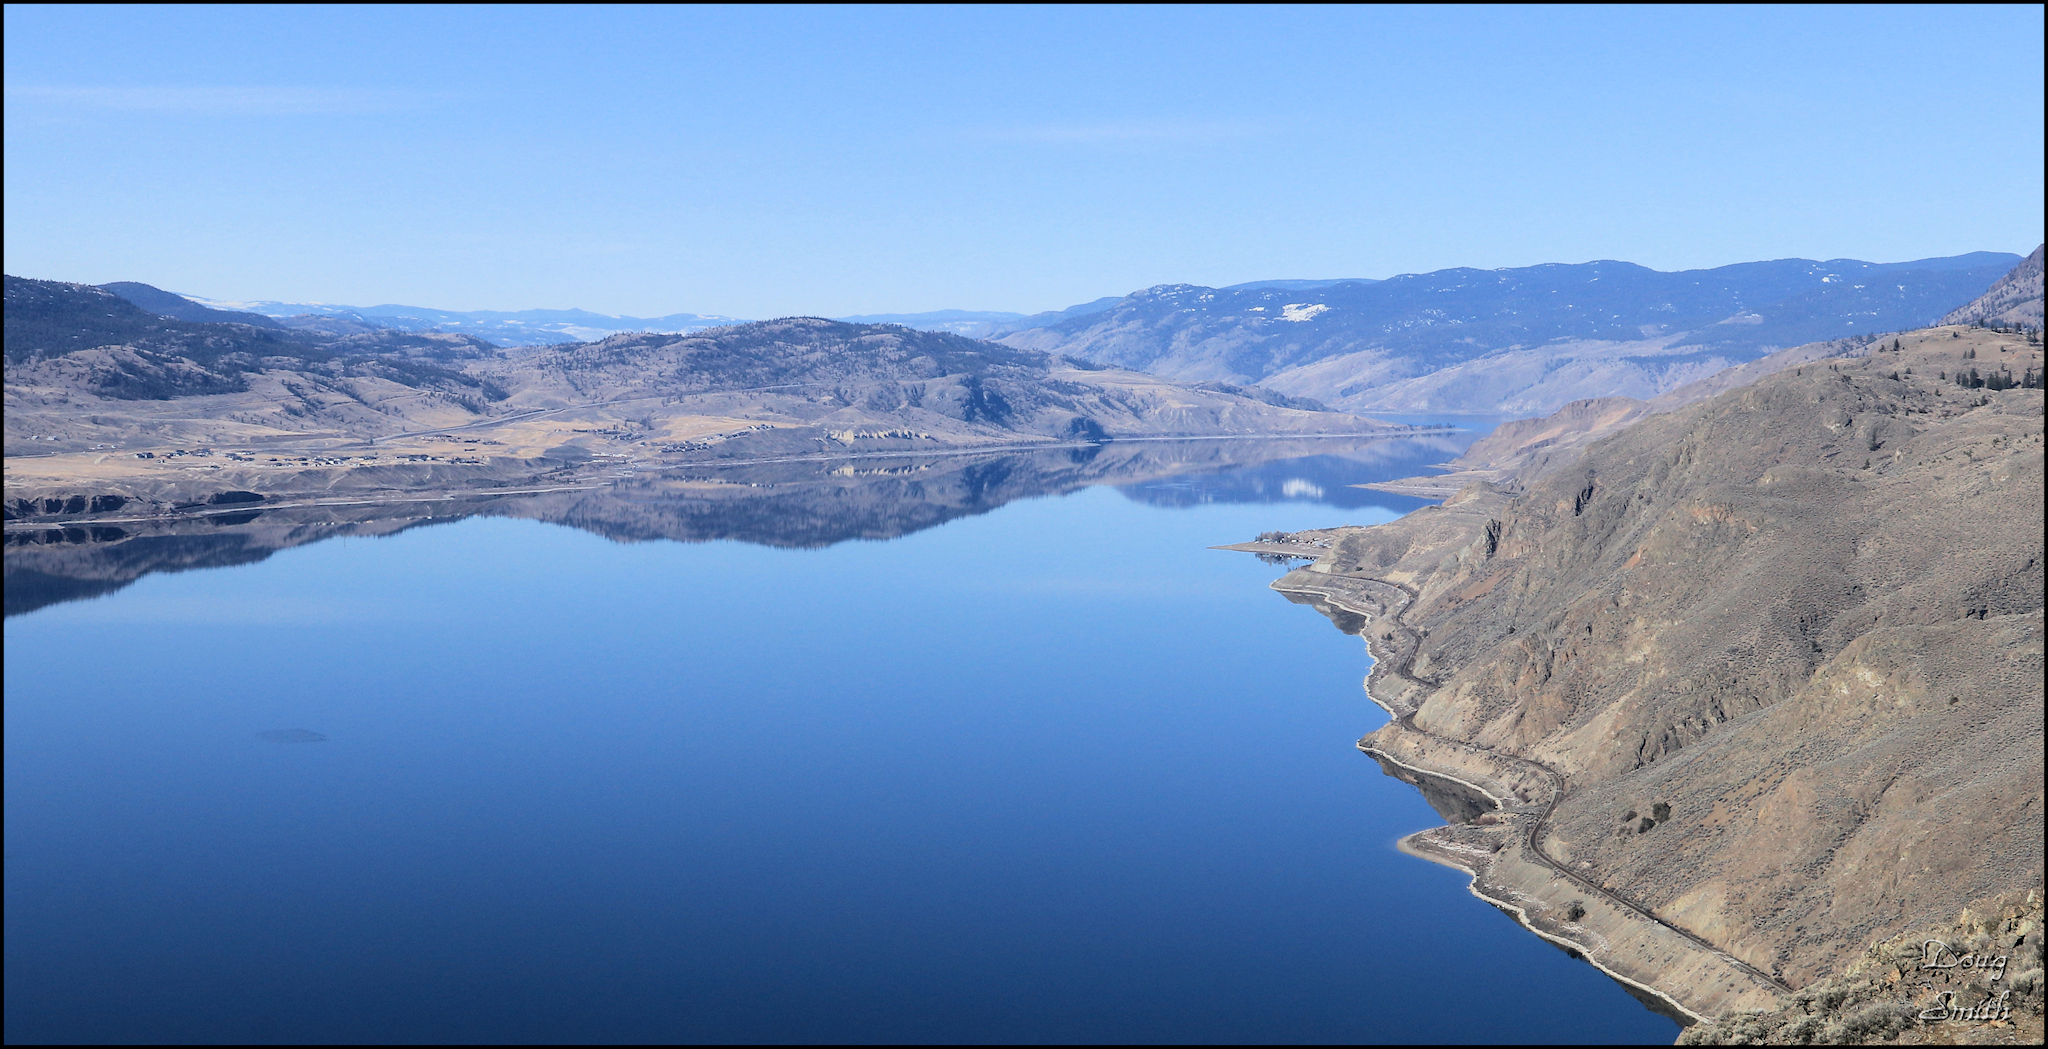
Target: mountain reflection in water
[811, 503]
[1055, 772]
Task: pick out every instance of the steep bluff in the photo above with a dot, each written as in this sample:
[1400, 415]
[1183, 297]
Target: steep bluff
[2014, 301]
[1782, 650]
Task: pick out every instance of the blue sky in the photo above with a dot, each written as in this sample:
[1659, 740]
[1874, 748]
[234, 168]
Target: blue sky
[766, 161]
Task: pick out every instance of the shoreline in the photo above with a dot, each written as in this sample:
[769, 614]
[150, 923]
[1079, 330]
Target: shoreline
[1406, 844]
[154, 493]
[1501, 851]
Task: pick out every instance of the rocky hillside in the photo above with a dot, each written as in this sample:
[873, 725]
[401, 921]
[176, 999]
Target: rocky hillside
[1511, 340]
[1521, 450]
[1780, 650]
[75, 339]
[125, 352]
[1916, 985]
[2013, 302]
[838, 375]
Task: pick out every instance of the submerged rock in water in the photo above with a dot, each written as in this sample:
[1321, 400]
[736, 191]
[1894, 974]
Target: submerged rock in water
[291, 735]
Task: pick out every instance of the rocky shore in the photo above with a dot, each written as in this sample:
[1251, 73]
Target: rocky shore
[1672, 971]
[1752, 686]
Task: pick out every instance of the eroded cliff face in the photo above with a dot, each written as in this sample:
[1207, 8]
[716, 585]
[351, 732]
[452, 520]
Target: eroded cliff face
[1784, 647]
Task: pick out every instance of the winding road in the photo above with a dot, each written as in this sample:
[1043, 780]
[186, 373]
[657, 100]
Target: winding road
[1407, 646]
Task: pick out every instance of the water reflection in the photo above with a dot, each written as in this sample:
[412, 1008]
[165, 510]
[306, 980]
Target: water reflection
[1328, 478]
[1454, 801]
[1057, 773]
[789, 504]
[1344, 619]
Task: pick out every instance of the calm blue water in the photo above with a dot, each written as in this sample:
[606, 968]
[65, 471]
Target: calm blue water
[1052, 773]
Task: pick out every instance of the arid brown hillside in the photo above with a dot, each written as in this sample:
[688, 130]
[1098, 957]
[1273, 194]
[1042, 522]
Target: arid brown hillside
[111, 406]
[1520, 451]
[2015, 301]
[1914, 989]
[1784, 647]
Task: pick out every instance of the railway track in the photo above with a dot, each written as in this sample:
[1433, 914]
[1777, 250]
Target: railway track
[1407, 646]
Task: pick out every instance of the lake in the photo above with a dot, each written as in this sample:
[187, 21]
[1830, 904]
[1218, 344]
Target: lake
[1040, 767]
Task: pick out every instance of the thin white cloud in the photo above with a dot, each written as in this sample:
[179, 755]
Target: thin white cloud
[1164, 132]
[228, 101]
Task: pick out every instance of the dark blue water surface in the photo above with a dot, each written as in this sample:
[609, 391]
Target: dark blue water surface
[1056, 772]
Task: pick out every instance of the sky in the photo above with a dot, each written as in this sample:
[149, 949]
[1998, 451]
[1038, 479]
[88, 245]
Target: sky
[759, 162]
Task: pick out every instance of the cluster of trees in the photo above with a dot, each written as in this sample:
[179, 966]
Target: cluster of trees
[1659, 813]
[2033, 335]
[2030, 379]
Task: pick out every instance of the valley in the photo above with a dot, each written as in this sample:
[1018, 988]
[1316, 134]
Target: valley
[178, 414]
[1716, 653]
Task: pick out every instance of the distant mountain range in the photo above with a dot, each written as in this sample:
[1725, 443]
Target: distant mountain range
[974, 323]
[97, 343]
[983, 324]
[523, 328]
[513, 328]
[267, 412]
[1297, 285]
[1526, 339]
[178, 307]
